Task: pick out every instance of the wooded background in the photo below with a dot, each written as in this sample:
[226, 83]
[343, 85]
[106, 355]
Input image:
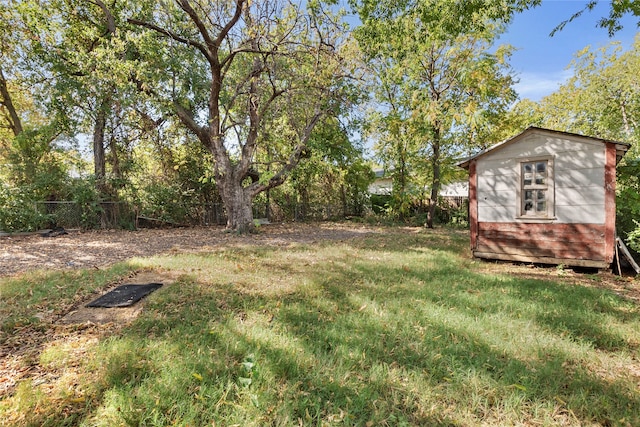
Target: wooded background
[164, 107]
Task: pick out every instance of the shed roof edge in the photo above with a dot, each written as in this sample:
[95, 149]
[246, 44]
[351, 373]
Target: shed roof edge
[621, 147]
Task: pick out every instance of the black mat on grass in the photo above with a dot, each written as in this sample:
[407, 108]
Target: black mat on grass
[124, 295]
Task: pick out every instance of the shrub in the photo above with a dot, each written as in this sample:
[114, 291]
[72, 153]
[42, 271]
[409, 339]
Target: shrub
[87, 197]
[633, 237]
[380, 203]
[166, 202]
[18, 211]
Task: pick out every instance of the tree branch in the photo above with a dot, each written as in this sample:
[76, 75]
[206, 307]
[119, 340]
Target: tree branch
[186, 117]
[257, 187]
[248, 149]
[202, 28]
[110, 20]
[234, 20]
[14, 118]
[202, 48]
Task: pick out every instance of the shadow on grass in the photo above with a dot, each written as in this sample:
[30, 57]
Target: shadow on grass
[383, 331]
[30, 305]
[586, 315]
[419, 341]
[29, 300]
[443, 347]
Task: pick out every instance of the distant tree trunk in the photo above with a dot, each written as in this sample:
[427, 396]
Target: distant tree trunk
[115, 158]
[435, 183]
[99, 162]
[625, 119]
[267, 208]
[400, 181]
[14, 119]
[114, 155]
[302, 201]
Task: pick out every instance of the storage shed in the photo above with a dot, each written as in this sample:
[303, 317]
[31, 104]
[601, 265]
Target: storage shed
[545, 196]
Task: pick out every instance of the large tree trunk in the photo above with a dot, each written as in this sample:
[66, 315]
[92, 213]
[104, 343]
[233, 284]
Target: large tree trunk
[259, 88]
[435, 183]
[238, 204]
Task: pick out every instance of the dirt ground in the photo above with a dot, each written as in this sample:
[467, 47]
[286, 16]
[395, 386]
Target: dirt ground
[93, 249]
[82, 326]
[97, 249]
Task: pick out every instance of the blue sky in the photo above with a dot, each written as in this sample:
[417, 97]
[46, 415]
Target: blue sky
[541, 61]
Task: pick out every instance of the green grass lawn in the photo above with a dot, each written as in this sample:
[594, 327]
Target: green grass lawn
[397, 329]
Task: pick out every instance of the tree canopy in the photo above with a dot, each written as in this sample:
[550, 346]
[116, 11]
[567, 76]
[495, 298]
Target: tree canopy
[250, 81]
[166, 106]
[437, 86]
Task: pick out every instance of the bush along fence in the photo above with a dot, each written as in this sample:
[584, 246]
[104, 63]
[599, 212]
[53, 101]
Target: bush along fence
[70, 214]
[110, 215]
[117, 215]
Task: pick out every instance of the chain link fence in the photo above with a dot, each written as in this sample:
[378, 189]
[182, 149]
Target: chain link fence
[109, 215]
[70, 214]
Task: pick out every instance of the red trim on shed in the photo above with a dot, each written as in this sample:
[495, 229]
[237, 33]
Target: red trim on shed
[539, 241]
[610, 201]
[473, 203]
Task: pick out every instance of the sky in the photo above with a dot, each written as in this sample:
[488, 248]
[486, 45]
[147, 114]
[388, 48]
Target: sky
[541, 61]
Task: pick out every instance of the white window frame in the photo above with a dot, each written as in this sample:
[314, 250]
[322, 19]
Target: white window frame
[549, 187]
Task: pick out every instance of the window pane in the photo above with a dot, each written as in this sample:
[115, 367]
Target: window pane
[535, 181]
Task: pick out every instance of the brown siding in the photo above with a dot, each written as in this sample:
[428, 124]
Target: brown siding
[539, 242]
[610, 199]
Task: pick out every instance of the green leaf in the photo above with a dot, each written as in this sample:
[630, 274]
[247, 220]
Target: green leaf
[245, 382]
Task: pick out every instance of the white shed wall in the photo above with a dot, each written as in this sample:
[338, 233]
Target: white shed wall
[578, 168]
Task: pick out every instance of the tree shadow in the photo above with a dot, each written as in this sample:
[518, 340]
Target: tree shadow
[368, 339]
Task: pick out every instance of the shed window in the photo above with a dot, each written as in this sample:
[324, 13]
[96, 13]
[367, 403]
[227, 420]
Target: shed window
[536, 189]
